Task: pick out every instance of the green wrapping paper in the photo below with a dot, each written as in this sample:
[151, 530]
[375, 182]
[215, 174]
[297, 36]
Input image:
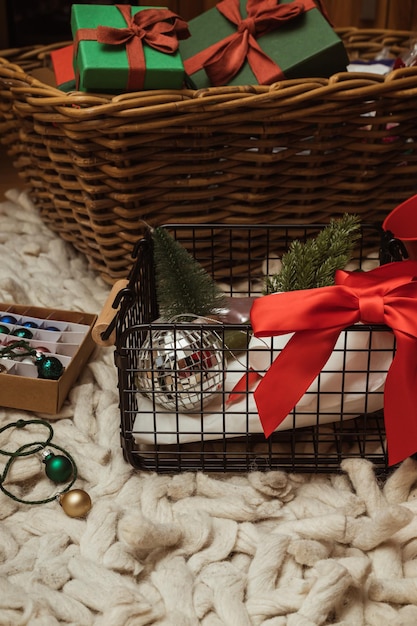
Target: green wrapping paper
[304, 46]
[101, 67]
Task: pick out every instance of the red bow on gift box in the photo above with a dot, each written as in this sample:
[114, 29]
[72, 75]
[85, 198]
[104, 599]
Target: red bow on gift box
[386, 295]
[224, 59]
[159, 28]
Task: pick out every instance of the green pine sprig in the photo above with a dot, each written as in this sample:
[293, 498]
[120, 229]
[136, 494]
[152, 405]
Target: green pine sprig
[314, 263]
[183, 287]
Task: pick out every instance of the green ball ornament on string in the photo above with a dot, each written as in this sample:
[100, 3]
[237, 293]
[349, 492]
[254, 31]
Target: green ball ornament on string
[59, 468]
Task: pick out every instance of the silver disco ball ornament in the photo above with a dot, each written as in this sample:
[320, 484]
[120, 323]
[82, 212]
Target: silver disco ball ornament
[180, 369]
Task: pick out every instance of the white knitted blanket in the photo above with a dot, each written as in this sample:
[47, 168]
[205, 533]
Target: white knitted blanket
[256, 549]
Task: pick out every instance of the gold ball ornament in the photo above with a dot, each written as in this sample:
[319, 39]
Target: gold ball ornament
[76, 503]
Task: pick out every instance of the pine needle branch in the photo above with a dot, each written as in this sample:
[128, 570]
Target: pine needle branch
[314, 263]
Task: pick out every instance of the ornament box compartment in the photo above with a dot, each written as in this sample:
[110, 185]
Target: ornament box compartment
[29, 393]
[315, 439]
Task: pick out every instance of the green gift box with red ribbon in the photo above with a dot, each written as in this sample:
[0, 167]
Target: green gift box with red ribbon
[245, 42]
[124, 48]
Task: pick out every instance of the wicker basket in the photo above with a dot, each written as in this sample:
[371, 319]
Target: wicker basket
[298, 151]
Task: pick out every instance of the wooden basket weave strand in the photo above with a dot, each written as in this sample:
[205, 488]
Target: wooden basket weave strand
[299, 151]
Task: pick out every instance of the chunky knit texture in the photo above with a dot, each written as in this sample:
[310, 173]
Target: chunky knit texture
[253, 549]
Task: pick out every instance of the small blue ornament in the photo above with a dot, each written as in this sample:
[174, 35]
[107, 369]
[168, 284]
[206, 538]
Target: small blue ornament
[52, 328]
[8, 319]
[30, 324]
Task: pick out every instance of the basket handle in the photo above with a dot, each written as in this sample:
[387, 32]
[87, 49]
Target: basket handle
[107, 315]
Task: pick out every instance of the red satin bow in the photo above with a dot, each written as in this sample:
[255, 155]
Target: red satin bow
[224, 59]
[386, 295]
[159, 28]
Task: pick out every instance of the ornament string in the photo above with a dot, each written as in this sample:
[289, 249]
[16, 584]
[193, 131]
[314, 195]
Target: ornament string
[21, 452]
[49, 367]
[22, 424]
[59, 468]
[17, 349]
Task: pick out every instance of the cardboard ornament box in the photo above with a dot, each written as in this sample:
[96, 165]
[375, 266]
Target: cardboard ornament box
[303, 45]
[71, 343]
[104, 67]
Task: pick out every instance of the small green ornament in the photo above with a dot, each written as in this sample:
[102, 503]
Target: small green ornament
[49, 367]
[24, 333]
[57, 467]
[4, 329]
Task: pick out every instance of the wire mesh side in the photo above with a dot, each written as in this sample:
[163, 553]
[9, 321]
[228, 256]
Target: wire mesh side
[220, 435]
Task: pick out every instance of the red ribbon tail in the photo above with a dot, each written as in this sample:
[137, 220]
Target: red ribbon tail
[227, 62]
[243, 385]
[114, 36]
[291, 374]
[199, 60]
[400, 409]
[263, 67]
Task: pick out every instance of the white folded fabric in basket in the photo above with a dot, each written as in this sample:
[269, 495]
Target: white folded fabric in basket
[351, 383]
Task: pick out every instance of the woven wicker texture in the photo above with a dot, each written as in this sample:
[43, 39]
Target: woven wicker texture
[299, 151]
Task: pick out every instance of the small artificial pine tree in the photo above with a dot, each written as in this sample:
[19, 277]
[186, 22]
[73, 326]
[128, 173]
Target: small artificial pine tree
[314, 263]
[183, 286]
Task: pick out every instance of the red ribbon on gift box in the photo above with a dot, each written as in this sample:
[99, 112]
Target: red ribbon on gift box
[224, 59]
[159, 28]
[386, 295]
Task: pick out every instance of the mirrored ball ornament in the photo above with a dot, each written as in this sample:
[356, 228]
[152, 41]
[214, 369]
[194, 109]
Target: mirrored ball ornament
[180, 369]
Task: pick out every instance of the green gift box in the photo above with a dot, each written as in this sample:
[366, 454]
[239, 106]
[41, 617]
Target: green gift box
[297, 43]
[127, 60]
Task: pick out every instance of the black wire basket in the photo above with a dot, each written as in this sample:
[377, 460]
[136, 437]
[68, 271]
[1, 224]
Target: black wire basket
[175, 377]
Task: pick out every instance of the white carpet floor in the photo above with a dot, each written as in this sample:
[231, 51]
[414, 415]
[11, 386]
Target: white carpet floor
[255, 549]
